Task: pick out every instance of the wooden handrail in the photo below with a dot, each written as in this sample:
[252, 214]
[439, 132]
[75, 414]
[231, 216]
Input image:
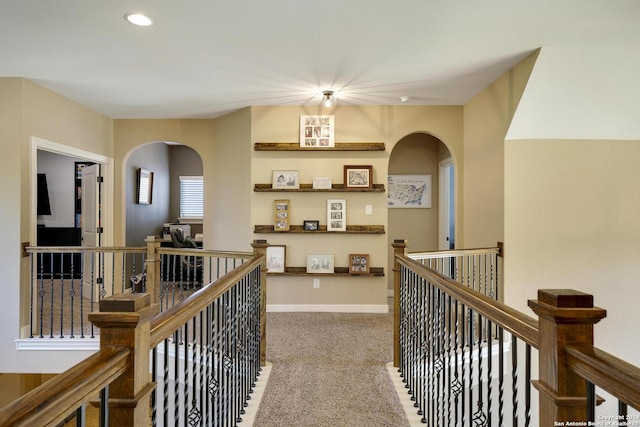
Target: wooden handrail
[50, 403]
[204, 252]
[163, 325]
[523, 326]
[101, 249]
[608, 372]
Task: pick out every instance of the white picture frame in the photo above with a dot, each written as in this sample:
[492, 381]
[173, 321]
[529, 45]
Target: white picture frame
[317, 131]
[285, 180]
[409, 191]
[276, 258]
[322, 183]
[320, 263]
[336, 215]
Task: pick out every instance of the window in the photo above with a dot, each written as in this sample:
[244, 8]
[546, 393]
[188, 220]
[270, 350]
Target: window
[191, 196]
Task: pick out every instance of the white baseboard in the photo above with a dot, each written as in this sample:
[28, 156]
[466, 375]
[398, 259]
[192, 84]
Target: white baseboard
[389, 293]
[60, 344]
[328, 308]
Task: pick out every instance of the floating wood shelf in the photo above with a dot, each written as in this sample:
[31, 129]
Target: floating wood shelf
[337, 271]
[351, 229]
[308, 188]
[339, 146]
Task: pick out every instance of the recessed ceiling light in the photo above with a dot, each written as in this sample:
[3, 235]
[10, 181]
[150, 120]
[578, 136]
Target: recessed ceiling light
[138, 19]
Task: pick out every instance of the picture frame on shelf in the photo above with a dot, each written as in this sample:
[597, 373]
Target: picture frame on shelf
[359, 264]
[311, 225]
[336, 215]
[317, 131]
[322, 183]
[281, 215]
[276, 258]
[409, 191]
[285, 180]
[320, 263]
[358, 176]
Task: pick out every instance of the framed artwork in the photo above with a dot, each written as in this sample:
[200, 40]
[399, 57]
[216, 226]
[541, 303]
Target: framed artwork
[145, 187]
[357, 176]
[320, 263]
[336, 215]
[316, 131]
[281, 215]
[311, 225]
[322, 183]
[276, 258]
[358, 263]
[284, 180]
[409, 191]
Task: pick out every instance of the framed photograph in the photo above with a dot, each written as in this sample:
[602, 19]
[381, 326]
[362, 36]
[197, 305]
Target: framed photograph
[320, 263]
[358, 263]
[311, 225]
[285, 180]
[316, 131]
[357, 176]
[145, 187]
[281, 215]
[336, 215]
[276, 258]
[322, 183]
[409, 191]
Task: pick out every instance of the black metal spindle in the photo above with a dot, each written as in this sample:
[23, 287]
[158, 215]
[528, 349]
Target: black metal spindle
[104, 406]
[591, 402]
[527, 384]
[514, 378]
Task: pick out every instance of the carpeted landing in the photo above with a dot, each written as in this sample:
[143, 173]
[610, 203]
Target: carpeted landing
[329, 369]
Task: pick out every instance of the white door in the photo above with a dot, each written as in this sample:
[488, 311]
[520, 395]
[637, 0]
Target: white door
[446, 221]
[90, 223]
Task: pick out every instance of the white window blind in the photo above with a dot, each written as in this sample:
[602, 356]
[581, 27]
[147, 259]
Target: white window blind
[191, 197]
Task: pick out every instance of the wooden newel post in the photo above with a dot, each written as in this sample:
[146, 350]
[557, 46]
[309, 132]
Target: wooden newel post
[399, 248]
[124, 320]
[152, 264]
[565, 317]
[260, 249]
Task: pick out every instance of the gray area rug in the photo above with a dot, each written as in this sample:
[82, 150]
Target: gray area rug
[329, 369]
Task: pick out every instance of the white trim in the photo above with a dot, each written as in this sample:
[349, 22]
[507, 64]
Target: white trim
[328, 308]
[390, 293]
[405, 398]
[58, 344]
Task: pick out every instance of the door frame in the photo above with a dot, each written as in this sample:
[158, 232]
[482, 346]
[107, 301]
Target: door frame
[106, 194]
[445, 190]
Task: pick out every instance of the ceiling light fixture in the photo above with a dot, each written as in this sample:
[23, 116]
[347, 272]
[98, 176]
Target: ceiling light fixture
[138, 19]
[328, 98]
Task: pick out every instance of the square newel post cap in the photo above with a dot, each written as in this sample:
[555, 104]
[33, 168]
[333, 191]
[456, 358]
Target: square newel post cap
[566, 306]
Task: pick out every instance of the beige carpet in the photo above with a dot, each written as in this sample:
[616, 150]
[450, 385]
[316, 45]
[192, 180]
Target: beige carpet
[329, 369]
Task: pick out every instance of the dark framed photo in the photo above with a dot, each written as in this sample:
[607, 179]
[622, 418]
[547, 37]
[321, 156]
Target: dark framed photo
[311, 225]
[357, 176]
[358, 263]
[145, 187]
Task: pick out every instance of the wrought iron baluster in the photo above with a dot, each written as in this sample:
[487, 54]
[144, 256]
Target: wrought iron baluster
[514, 378]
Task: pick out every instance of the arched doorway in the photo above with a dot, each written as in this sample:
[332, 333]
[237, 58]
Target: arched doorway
[422, 224]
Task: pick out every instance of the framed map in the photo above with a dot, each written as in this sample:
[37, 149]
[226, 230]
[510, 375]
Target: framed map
[409, 191]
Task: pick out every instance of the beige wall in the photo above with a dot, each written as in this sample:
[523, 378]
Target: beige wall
[486, 119]
[352, 124]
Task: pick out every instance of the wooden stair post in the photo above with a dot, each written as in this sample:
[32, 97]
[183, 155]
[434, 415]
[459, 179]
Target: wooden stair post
[260, 249]
[399, 248]
[565, 317]
[124, 321]
[152, 267]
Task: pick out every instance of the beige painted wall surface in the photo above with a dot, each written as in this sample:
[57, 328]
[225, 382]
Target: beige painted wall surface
[352, 124]
[486, 119]
[129, 134]
[572, 222]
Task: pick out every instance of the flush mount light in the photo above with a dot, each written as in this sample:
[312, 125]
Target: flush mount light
[138, 19]
[328, 98]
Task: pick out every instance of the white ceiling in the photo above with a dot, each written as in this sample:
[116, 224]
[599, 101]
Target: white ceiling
[204, 58]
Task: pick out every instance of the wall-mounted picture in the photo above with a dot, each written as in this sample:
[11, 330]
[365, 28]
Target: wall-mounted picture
[357, 176]
[281, 215]
[321, 183]
[409, 191]
[311, 225]
[145, 187]
[316, 131]
[358, 263]
[336, 215]
[285, 180]
[320, 263]
[276, 258]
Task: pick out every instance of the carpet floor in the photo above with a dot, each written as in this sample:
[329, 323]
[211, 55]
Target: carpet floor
[329, 369]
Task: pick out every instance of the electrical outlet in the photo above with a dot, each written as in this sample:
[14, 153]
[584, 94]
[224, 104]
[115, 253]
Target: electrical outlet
[368, 210]
[316, 283]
